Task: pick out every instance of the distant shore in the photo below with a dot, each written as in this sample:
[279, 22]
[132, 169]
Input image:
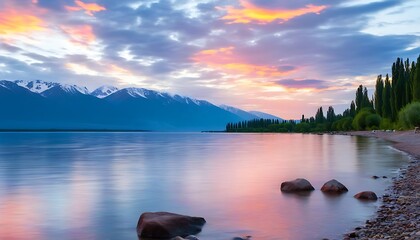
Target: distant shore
[71, 130]
[399, 215]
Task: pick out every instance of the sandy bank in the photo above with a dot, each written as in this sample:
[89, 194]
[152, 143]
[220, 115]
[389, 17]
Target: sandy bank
[399, 215]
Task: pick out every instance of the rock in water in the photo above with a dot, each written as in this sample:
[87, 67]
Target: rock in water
[168, 225]
[366, 195]
[297, 185]
[334, 186]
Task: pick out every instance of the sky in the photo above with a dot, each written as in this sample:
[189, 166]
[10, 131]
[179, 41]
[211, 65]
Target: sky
[282, 57]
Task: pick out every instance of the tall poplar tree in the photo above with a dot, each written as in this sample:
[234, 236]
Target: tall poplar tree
[379, 89]
[394, 82]
[330, 114]
[352, 109]
[386, 103]
[319, 116]
[408, 95]
[416, 81]
[366, 102]
[359, 98]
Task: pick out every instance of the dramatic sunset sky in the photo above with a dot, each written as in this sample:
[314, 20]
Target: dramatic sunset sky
[282, 57]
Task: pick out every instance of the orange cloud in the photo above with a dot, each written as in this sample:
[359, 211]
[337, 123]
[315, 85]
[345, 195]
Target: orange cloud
[251, 13]
[89, 8]
[80, 34]
[227, 60]
[12, 22]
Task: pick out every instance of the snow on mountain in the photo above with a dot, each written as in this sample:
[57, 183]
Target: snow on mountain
[104, 91]
[137, 92]
[54, 105]
[186, 100]
[74, 89]
[265, 115]
[5, 84]
[239, 112]
[36, 86]
[39, 86]
[150, 94]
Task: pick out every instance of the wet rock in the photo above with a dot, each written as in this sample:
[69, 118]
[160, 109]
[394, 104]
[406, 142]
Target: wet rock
[168, 225]
[398, 217]
[334, 186]
[366, 195]
[297, 185]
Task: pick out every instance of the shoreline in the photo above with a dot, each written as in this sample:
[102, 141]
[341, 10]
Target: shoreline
[398, 216]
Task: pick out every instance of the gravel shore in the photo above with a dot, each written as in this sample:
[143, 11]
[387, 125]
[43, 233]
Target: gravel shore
[399, 215]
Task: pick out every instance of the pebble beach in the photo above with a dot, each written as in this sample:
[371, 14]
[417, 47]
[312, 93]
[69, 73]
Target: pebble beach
[398, 217]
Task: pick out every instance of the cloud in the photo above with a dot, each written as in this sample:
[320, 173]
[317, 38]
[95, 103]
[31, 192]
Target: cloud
[301, 84]
[250, 13]
[82, 34]
[226, 59]
[187, 46]
[12, 22]
[89, 8]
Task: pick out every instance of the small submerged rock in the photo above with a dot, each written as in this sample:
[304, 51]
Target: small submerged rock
[334, 186]
[168, 225]
[297, 185]
[242, 238]
[190, 237]
[366, 195]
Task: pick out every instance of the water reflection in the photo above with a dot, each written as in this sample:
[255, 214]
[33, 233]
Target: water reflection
[95, 185]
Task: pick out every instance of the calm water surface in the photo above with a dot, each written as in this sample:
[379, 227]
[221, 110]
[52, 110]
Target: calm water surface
[96, 185]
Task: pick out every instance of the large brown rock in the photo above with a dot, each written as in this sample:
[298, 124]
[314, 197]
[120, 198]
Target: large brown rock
[366, 195]
[297, 185]
[334, 186]
[168, 225]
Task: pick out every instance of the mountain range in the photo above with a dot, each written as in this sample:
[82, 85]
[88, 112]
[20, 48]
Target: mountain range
[39, 105]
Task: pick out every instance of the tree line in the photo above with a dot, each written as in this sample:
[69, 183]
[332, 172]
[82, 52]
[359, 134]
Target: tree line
[394, 105]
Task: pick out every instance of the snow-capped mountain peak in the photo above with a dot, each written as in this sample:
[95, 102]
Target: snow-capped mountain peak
[38, 86]
[104, 91]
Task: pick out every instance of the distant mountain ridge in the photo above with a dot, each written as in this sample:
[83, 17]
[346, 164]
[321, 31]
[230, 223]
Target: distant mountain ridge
[48, 105]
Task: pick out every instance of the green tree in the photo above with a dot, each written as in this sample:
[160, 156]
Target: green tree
[386, 99]
[359, 98]
[319, 116]
[379, 89]
[408, 86]
[409, 116]
[330, 114]
[359, 121]
[366, 119]
[352, 109]
[416, 81]
[366, 102]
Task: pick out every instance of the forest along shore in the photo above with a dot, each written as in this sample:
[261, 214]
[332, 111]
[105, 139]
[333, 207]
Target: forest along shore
[399, 215]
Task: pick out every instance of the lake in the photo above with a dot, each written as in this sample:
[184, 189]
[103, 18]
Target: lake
[95, 185]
